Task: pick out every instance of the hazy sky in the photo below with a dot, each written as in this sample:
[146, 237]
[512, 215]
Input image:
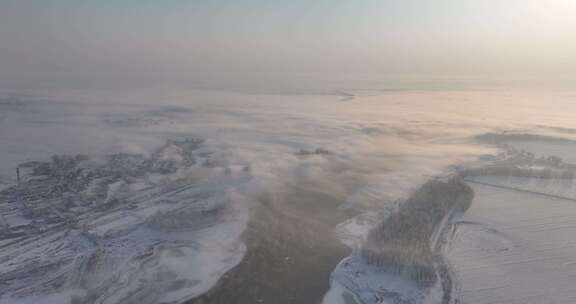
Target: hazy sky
[147, 41]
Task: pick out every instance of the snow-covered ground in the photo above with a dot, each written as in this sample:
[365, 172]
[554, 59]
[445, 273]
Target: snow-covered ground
[514, 244]
[125, 229]
[516, 247]
[151, 191]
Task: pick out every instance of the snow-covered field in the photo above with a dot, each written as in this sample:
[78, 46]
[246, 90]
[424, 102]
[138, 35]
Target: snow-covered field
[515, 247]
[149, 192]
